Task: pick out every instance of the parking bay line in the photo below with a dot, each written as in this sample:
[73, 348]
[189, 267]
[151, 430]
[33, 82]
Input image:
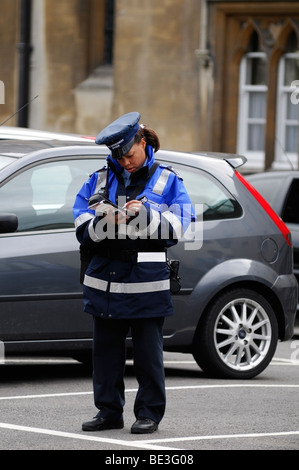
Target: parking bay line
[153, 443]
[179, 387]
[275, 361]
[145, 445]
[225, 436]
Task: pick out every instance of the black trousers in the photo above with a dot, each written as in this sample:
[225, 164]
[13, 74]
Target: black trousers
[109, 357]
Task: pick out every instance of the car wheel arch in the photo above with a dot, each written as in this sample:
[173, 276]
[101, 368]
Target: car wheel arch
[232, 274]
[259, 288]
[240, 319]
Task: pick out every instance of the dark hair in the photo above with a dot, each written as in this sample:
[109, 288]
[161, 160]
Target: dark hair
[150, 136]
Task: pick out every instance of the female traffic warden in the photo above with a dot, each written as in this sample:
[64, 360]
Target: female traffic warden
[126, 285]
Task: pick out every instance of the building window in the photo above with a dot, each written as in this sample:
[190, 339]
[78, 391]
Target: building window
[100, 33]
[109, 31]
[252, 107]
[286, 151]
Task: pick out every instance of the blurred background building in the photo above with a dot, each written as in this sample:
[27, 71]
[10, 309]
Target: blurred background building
[208, 75]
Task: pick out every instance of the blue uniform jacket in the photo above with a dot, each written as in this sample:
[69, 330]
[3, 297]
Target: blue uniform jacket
[128, 276]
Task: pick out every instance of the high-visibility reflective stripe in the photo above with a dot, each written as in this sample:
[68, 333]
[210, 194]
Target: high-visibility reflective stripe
[98, 284]
[175, 222]
[82, 219]
[92, 233]
[127, 288]
[161, 183]
[155, 222]
[139, 287]
[151, 257]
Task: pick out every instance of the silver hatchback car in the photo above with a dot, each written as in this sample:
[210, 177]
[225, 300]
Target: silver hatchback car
[238, 294]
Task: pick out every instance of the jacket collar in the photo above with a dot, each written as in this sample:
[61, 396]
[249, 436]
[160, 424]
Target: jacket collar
[118, 169]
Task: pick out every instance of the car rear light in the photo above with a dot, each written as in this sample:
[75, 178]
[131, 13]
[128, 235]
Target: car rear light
[276, 219]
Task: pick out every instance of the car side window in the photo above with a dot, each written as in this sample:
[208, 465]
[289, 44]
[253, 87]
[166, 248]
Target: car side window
[208, 195]
[43, 196]
[290, 212]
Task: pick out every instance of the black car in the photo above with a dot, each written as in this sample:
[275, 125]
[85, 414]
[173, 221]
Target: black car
[281, 190]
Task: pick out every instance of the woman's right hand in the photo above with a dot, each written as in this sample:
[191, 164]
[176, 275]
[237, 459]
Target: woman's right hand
[115, 218]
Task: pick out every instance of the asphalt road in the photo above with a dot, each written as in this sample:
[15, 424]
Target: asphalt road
[43, 403]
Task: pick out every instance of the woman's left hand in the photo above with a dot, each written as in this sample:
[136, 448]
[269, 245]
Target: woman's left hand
[133, 207]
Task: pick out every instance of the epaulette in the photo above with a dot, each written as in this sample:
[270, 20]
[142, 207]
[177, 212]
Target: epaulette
[104, 168]
[169, 168]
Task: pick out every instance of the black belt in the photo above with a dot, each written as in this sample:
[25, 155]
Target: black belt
[122, 255]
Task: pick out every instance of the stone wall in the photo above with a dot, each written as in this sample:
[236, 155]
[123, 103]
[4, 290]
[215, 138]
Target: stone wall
[59, 62]
[156, 69]
[8, 58]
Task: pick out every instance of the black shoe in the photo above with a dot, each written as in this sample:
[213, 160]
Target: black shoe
[100, 424]
[144, 426]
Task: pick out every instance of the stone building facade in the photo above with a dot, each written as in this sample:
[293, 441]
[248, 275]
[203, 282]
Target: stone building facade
[206, 74]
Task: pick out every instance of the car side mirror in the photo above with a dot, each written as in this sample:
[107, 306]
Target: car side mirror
[8, 223]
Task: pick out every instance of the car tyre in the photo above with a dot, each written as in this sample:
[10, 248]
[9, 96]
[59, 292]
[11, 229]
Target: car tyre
[237, 336]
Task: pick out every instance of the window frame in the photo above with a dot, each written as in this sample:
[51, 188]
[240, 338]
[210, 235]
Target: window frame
[284, 159]
[256, 158]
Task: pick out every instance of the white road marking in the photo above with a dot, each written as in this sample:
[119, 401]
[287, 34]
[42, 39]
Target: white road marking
[144, 445]
[180, 387]
[224, 436]
[275, 361]
[45, 395]
[153, 444]
[283, 362]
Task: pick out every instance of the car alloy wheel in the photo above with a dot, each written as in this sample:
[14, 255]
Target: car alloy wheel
[238, 336]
